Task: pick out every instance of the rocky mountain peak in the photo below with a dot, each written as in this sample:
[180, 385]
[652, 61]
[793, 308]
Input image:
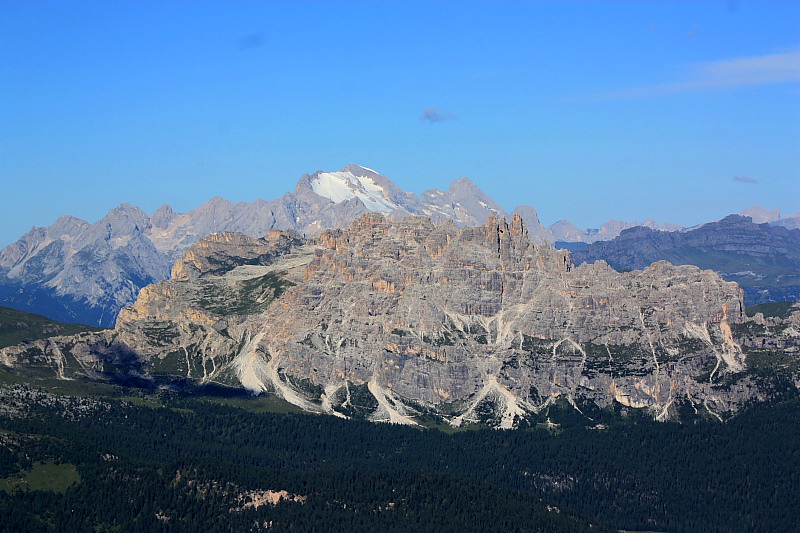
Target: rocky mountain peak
[760, 214]
[531, 218]
[67, 225]
[344, 185]
[462, 186]
[528, 214]
[144, 247]
[162, 217]
[216, 202]
[464, 190]
[118, 227]
[636, 232]
[124, 220]
[369, 223]
[518, 226]
[358, 170]
[469, 203]
[564, 230]
[125, 210]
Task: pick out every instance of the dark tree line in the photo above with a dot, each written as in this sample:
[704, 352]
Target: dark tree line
[743, 475]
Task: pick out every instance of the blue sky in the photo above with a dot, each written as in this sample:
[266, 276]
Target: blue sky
[585, 110]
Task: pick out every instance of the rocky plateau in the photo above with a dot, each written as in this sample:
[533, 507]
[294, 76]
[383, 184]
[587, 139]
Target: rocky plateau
[406, 320]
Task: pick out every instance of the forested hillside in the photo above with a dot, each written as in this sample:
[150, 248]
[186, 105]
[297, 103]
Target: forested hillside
[172, 463]
[18, 326]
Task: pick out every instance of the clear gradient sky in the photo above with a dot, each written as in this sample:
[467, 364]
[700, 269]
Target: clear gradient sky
[680, 111]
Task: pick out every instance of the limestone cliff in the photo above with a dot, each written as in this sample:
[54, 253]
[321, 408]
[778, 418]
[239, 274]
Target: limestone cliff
[79, 272]
[395, 319]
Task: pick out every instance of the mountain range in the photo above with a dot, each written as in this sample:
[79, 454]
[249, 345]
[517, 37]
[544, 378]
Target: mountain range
[76, 271]
[773, 217]
[399, 320]
[764, 259]
[566, 233]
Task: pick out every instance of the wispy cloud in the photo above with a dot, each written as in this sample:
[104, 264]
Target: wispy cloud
[744, 179]
[717, 75]
[247, 42]
[693, 31]
[431, 115]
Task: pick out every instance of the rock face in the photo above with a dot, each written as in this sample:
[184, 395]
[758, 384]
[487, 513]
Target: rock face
[530, 217]
[74, 271]
[222, 252]
[395, 319]
[763, 258]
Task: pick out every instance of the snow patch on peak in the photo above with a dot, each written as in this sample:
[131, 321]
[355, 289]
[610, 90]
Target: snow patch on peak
[344, 185]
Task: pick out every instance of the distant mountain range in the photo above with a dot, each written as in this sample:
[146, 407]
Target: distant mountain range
[75, 271]
[566, 232]
[764, 259]
[773, 217]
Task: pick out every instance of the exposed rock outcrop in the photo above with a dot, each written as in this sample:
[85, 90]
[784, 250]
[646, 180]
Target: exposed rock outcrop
[74, 271]
[391, 319]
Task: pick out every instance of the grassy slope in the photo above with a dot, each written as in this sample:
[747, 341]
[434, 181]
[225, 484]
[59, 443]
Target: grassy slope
[43, 476]
[18, 326]
[773, 309]
[263, 403]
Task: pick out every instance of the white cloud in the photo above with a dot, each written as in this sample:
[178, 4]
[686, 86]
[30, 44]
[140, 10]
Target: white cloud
[716, 75]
